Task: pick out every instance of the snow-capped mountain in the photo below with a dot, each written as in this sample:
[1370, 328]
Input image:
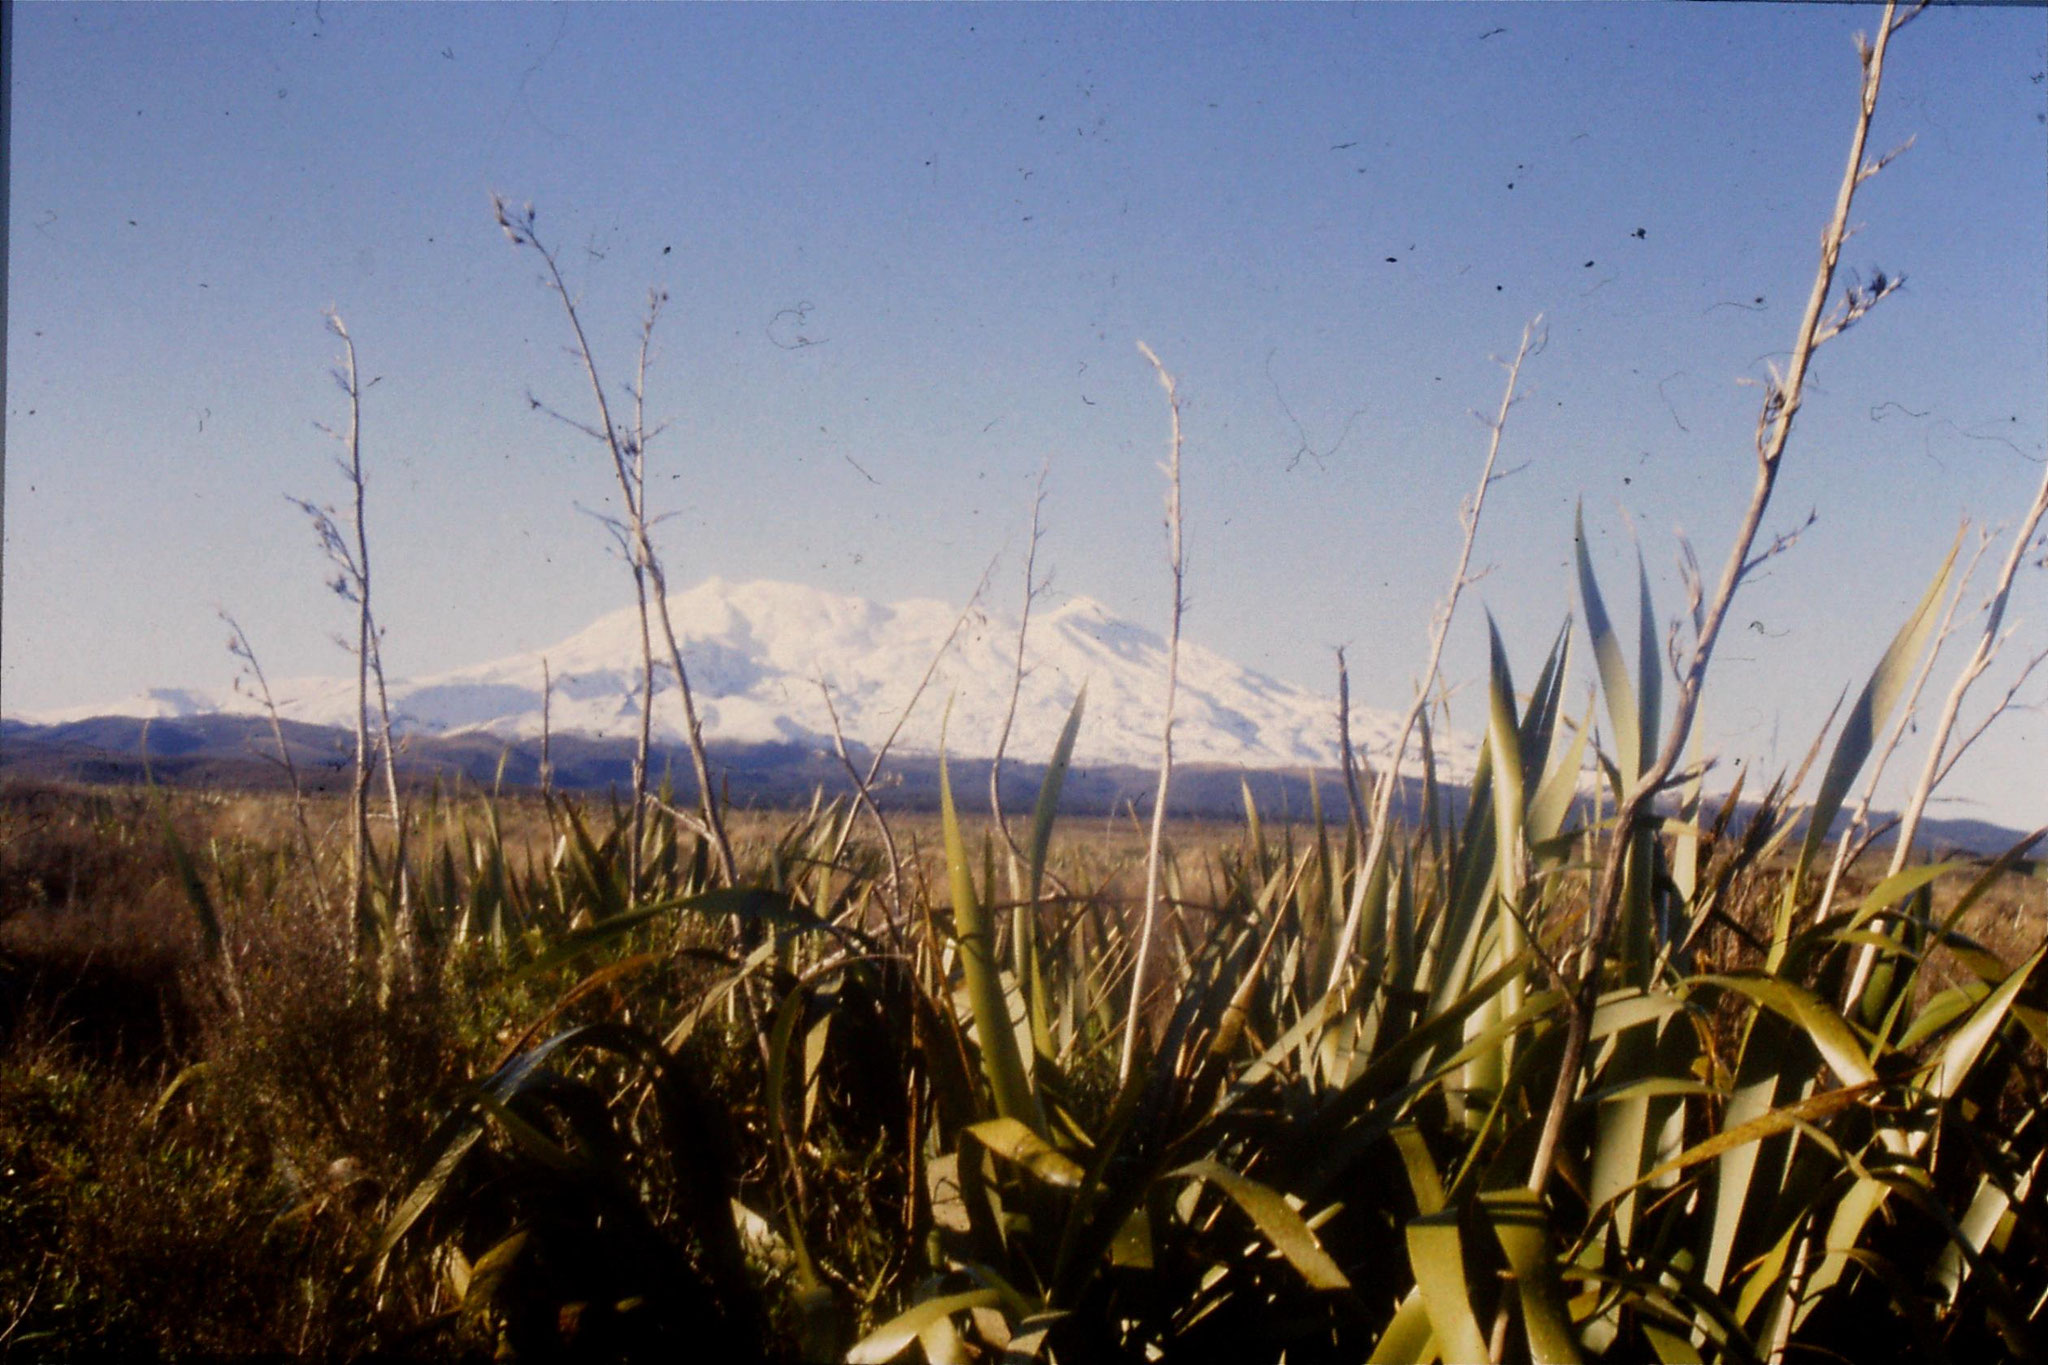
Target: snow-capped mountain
[757, 653]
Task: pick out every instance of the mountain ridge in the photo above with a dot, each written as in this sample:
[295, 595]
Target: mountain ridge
[758, 651]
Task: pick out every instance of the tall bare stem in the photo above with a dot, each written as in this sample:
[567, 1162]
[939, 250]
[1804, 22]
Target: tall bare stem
[1158, 836]
[1388, 783]
[1988, 642]
[627, 452]
[371, 642]
[1032, 587]
[350, 554]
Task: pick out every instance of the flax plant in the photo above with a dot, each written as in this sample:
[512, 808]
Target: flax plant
[1782, 398]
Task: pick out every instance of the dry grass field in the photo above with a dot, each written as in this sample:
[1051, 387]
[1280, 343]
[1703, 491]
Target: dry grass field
[242, 1146]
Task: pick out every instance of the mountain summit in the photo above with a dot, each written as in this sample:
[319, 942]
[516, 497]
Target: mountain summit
[757, 653]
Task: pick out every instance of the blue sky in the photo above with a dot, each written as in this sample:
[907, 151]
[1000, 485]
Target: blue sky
[1326, 219]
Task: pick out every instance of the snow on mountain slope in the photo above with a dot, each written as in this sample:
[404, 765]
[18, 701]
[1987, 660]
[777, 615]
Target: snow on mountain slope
[756, 653]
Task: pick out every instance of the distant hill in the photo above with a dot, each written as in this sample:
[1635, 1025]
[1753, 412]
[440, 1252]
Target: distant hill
[239, 752]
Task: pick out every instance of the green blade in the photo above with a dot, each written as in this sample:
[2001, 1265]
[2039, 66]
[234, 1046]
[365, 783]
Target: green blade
[1649, 668]
[893, 1337]
[1523, 1230]
[1873, 706]
[1408, 1339]
[1276, 1220]
[1000, 1059]
[1830, 1034]
[1623, 711]
[1436, 1251]
[1016, 1143]
[1969, 1041]
[1049, 792]
[1504, 739]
